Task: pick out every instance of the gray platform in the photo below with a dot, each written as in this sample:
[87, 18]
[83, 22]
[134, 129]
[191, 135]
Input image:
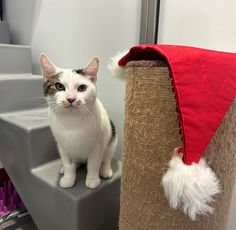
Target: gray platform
[29, 155]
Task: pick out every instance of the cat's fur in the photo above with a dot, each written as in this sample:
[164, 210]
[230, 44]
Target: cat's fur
[79, 122]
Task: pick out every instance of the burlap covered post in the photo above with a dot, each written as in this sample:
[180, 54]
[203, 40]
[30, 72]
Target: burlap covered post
[151, 133]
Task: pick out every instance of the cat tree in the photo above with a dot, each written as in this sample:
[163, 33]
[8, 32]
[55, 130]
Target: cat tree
[151, 133]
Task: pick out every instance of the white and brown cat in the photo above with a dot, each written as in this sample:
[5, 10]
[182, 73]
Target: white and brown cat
[79, 122]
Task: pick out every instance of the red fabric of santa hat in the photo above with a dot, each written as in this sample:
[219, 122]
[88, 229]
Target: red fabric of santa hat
[204, 82]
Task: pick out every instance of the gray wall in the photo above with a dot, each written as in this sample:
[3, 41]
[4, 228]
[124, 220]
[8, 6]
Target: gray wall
[72, 32]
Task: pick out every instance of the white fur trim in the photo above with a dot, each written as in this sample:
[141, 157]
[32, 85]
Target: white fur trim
[116, 70]
[190, 187]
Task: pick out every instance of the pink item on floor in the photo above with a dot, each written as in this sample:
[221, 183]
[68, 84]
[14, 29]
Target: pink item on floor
[9, 198]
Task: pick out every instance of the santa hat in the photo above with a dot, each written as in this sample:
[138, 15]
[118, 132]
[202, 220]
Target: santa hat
[204, 83]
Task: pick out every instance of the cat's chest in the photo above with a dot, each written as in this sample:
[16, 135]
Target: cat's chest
[76, 136]
[77, 143]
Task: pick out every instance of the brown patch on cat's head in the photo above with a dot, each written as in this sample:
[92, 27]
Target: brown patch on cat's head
[79, 71]
[49, 85]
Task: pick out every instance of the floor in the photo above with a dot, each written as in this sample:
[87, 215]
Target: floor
[21, 222]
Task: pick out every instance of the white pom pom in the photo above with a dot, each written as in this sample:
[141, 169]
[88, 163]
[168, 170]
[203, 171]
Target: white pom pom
[190, 187]
[116, 70]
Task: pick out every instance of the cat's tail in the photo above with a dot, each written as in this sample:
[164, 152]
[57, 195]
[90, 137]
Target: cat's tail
[116, 70]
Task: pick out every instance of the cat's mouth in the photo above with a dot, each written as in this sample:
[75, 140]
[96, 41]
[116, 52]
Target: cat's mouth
[70, 106]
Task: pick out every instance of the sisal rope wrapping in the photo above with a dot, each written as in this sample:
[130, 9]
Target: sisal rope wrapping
[151, 133]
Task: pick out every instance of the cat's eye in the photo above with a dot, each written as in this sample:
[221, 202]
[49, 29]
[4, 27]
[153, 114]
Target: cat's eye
[59, 86]
[82, 88]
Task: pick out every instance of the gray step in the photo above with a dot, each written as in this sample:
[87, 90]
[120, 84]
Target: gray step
[29, 154]
[20, 91]
[4, 33]
[15, 59]
[32, 130]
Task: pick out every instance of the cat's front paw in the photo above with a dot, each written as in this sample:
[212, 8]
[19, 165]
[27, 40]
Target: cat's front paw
[93, 183]
[67, 182]
[106, 173]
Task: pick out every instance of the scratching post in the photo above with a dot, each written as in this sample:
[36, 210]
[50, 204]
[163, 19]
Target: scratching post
[151, 133]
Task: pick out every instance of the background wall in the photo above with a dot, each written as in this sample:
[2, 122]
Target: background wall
[71, 32]
[203, 23]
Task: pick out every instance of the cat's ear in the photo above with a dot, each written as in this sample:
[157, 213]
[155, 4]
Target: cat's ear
[91, 69]
[49, 69]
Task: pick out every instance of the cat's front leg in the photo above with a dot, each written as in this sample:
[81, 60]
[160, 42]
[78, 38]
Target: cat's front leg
[69, 177]
[61, 171]
[106, 170]
[93, 167]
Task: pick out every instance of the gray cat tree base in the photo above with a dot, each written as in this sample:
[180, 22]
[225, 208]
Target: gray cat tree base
[29, 154]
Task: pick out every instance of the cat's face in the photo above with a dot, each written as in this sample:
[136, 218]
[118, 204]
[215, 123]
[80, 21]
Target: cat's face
[71, 90]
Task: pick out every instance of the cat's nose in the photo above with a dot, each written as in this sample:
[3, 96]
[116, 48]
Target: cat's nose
[71, 100]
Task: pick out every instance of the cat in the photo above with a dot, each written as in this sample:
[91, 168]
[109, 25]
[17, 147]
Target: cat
[79, 122]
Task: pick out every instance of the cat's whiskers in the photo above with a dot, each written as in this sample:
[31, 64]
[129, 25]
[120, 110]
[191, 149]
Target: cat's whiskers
[38, 112]
[88, 113]
[54, 106]
[83, 112]
[90, 100]
[40, 108]
[36, 98]
[33, 98]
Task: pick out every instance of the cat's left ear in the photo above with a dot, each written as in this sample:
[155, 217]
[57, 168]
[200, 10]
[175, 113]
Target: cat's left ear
[91, 69]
